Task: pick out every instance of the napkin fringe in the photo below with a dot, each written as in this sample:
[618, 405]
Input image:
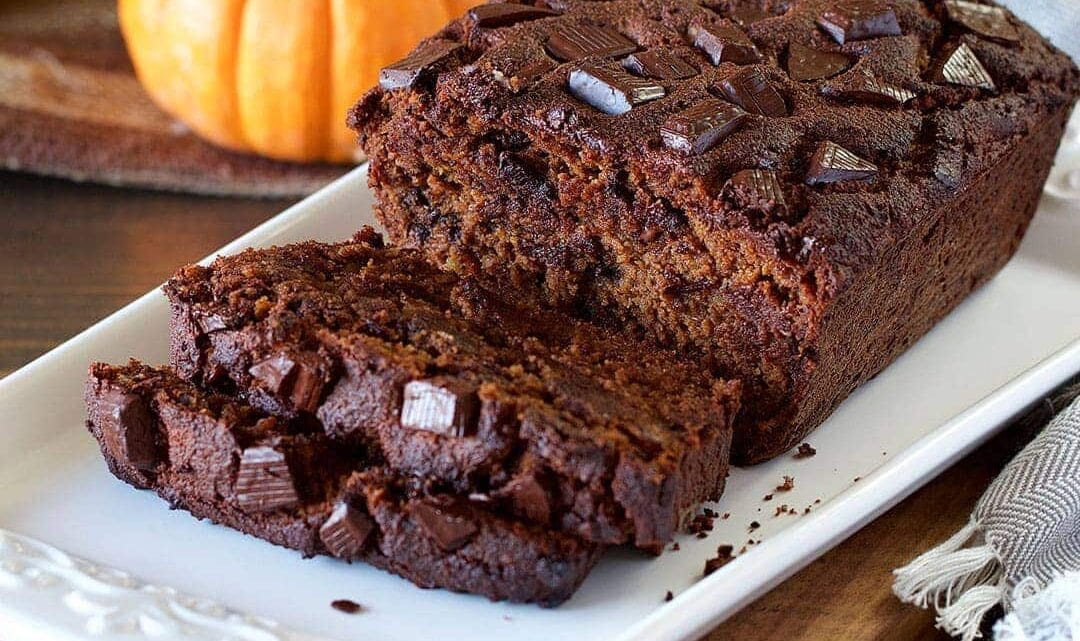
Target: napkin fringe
[962, 578]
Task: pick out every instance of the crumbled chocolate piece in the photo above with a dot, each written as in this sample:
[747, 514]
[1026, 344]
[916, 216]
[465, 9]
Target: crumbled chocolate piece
[660, 64]
[264, 482]
[346, 532]
[782, 509]
[702, 126]
[805, 451]
[868, 88]
[210, 323]
[805, 63]
[445, 526]
[726, 516]
[723, 557]
[612, 91]
[960, 66]
[767, 497]
[858, 20]
[675, 547]
[749, 89]
[668, 596]
[724, 43]
[754, 525]
[346, 606]
[493, 16]
[787, 485]
[418, 65]
[985, 20]
[757, 189]
[702, 523]
[129, 430]
[449, 408]
[568, 42]
[832, 163]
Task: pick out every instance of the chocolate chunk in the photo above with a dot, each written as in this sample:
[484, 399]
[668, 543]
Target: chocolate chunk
[573, 42]
[868, 88]
[749, 89]
[858, 20]
[529, 496]
[985, 20]
[291, 377]
[418, 65]
[725, 43]
[264, 482]
[210, 323]
[832, 163]
[612, 91]
[660, 64]
[702, 126]
[346, 532]
[804, 63]
[504, 15]
[450, 530]
[449, 408]
[757, 189]
[129, 429]
[960, 66]
[748, 14]
[347, 606]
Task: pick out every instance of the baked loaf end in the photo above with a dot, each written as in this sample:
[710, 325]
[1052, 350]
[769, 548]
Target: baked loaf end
[223, 460]
[559, 422]
[793, 191]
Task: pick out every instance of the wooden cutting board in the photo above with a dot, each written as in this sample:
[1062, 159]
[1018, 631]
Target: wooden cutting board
[70, 106]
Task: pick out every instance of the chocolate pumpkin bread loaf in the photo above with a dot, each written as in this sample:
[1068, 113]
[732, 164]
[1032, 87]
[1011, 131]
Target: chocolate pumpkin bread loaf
[223, 460]
[791, 191]
[557, 422]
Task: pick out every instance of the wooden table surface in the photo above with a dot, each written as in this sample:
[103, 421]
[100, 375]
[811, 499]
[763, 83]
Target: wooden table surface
[71, 254]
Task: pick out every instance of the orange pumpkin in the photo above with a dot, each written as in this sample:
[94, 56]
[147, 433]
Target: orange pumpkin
[274, 77]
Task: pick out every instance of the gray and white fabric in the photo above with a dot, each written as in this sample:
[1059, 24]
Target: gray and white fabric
[1023, 536]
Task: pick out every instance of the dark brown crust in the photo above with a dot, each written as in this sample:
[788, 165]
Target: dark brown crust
[495, 170]
[202, 435]
[576, 427]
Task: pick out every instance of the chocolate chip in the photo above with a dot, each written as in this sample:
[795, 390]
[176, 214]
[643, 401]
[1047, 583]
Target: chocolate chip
[293, 378]
[264, 482]
[960, 66]
[449, 408]
[504, 15]
[573, 42]
[346, 532]
[832, 163]
[701, 127]
[347, 606]
[418, 65]
[129, 429]
[804, 63]
[749, 89]
[868, 88]
[985, 20]
[660, 64]
[858, 20]
[612, 91]
[757, 189]
[529, 496]
[724, 43]
[449, 530]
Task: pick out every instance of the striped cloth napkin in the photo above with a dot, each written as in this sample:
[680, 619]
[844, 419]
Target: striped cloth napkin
[1021, 548]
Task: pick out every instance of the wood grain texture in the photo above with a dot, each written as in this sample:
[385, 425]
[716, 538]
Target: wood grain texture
[70, 106]
[70, 254]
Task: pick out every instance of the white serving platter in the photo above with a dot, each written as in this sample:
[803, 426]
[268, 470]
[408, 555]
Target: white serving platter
[1010, 343]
